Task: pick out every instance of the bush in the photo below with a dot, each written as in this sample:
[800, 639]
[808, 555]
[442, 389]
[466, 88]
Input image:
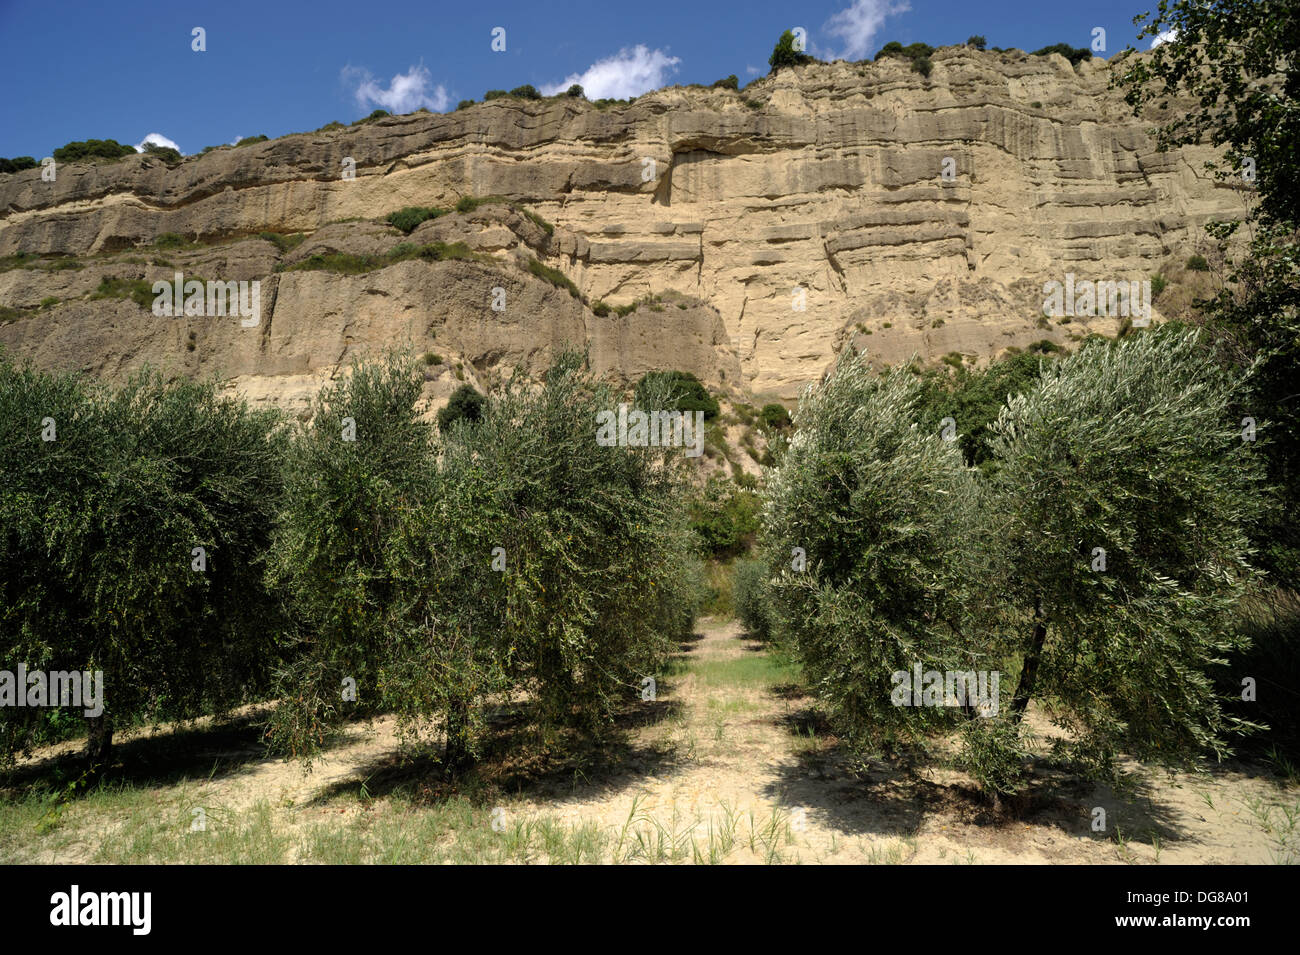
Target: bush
[494, 94]
[465, 104]
[405, 220]
[97, 562]
[750, 598]
[1197, 263]
[527, 91]
[922, 65]
[913, 51]
[681, 391]
[465, 404]
[784, 53]
[166, 153]
[774, 417]
[1158, 285]
[576, 91]
[1075, 55]
[93, 149]
[17, 164]
[973, 398]
[727, 83]
[977, 41]
[250, 140]
[725, 518]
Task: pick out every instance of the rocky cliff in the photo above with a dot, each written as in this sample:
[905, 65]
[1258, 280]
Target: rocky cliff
[827, 203]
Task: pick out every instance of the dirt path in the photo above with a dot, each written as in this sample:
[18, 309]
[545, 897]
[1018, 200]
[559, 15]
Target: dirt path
[785, 797]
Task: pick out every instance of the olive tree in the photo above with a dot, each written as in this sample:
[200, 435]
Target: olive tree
[435, 574]
[1125, 499]
[135, 527]
[868, 531]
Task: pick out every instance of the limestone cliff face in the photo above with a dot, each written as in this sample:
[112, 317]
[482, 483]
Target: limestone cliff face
[809, 210]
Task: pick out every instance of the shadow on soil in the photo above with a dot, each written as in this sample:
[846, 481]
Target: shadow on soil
[895, 796]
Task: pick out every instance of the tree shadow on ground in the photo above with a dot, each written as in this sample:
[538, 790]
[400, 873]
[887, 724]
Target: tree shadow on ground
[199, 749]
[519, 758]
[896, 794]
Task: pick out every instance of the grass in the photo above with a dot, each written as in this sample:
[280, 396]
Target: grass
[28, 260]
[750, 671]
[554, 276]
[285, 243]
[405, 220]
[345, 263]
[139, 291]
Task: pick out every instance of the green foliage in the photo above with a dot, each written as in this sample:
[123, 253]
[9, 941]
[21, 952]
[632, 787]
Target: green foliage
[922, 65]
[576, 91]
[1131, 448]
[392, 540]
[18, 164]
[465, 404]
[470, 203]
[774, 416]
[349, 264]
[784, 53]
[465, 104]
[554, 276]
[1197, 263]
[137, 290]
[99, 527]
[913, 51]
[171, 240]
[973, 398]
[678, 390]
[883, 511]
[250, 140]
[93, 149]
[494, 94]
[538, 221]
[725, 518]
[405, 220]
[749, 596]
[527, 91]
[726, 83]
[1234, 60]
[1158, 284]
[284, 243]
[1075, 55]
[167, 154]
[977, 41]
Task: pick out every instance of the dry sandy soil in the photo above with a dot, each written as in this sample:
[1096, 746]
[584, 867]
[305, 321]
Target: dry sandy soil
[730, 764]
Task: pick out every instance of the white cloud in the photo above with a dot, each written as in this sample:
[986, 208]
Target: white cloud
[858, 24]
[1169, 36]
[406, 92]
[625, 74]
[158, 139]
[753, 70]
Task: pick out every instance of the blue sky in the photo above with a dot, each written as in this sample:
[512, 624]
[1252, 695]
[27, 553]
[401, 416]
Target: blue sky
[125, 70]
